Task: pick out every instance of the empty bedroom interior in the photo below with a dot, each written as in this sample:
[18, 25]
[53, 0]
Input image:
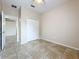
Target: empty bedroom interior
[39, 29]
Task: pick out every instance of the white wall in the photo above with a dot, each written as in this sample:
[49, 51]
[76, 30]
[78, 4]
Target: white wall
[61, 24]
[10, 28]
[8, 10]
[29, 18]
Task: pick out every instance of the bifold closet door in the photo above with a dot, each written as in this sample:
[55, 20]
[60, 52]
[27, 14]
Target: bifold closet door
[32, 29]
[29, 30]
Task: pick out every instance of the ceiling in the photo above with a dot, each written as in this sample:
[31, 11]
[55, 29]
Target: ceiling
[49, 4]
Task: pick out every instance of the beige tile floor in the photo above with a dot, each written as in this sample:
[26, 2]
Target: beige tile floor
[37, 49]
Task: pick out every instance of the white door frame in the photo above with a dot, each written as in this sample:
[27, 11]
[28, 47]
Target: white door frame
[4, 27]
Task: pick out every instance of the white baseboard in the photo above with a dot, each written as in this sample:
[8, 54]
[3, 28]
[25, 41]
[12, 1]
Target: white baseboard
[63, 45]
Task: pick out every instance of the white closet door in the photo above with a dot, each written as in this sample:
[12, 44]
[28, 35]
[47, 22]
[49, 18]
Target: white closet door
[32, 29]
[29, 30]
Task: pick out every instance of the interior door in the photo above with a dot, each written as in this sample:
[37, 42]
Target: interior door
[0, 31]
[3, 31]
[32, 29]
[29, 30]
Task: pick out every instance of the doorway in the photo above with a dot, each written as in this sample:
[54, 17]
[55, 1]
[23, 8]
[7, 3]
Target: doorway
[10, 32]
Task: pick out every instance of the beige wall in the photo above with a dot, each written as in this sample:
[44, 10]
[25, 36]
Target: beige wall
[61, 24]
[0, 6]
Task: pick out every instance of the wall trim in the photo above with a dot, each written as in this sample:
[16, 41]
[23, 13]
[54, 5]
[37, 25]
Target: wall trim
[63, 45]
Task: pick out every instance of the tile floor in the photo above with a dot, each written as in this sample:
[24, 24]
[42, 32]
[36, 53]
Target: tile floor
[37, 49]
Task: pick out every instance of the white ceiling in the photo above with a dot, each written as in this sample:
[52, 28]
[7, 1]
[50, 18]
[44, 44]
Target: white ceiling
[49, 4]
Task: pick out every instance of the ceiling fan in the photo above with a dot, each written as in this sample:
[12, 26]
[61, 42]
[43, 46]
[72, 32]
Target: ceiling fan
[37, 3]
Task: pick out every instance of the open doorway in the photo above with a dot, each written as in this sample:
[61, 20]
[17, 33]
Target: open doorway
[11, 36]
